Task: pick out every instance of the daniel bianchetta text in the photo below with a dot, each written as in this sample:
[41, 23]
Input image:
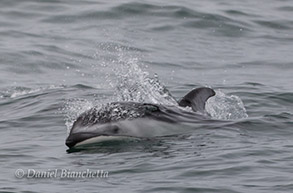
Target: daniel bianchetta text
[60, 173]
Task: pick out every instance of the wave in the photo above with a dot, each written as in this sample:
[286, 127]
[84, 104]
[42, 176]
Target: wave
[19, 92]
[180, 16]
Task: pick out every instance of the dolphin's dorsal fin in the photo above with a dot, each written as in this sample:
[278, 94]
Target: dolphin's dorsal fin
[197, 98]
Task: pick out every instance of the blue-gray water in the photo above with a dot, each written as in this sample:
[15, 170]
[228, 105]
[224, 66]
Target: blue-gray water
[58, 57]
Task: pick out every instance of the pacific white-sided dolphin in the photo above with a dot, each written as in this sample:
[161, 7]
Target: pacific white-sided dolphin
[136, 120]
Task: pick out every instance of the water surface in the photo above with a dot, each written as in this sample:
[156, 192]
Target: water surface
[58, 58]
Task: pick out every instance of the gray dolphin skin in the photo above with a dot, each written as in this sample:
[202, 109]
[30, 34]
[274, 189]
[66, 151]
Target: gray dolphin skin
[135, 120]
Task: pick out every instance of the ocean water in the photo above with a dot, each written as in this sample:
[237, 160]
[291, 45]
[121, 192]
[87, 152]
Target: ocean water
[60, 57]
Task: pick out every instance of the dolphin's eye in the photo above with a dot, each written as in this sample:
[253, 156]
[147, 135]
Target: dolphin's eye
[116, 129]
[151, 108]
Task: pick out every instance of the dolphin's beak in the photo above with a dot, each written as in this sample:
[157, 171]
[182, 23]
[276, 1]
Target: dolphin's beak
[75, 138]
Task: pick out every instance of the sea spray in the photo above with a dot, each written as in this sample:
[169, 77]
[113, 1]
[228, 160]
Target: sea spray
[225, 107]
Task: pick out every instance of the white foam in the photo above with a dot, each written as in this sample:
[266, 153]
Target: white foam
[225, 107]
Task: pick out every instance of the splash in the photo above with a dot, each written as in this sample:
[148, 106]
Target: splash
[138, 86]
[124, 73]
[134, 84]
[128, 80]
[225, 107]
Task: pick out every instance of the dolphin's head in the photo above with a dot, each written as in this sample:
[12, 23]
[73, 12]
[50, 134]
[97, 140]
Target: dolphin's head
[112, 120]
[81, 134]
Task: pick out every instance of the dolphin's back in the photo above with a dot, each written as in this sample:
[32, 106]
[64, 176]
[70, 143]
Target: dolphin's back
[113, 112]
